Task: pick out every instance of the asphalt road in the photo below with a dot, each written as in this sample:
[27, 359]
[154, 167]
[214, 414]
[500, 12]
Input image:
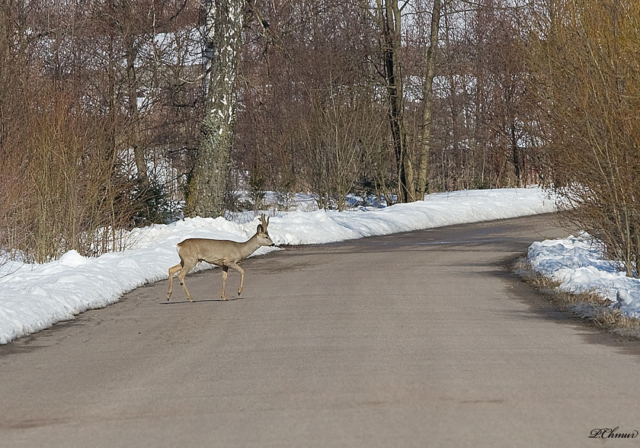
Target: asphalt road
[423, 339]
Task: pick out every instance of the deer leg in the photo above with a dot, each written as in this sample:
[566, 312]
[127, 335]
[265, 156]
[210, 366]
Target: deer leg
[172, 272]
[182, 274]
[225, 269]
[235, 267]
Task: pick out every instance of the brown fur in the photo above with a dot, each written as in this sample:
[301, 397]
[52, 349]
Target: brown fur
[224, 253]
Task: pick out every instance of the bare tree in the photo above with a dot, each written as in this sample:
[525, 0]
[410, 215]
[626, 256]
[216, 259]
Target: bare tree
[208, 183]
[427, 98]
[70, 77]
[387, 15]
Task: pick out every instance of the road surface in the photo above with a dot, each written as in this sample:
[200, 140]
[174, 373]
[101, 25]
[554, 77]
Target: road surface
[422, 339]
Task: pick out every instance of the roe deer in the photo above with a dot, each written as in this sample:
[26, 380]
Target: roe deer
[224, 253]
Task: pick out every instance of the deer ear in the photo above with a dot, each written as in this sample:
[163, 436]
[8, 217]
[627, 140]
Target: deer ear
[260, 228]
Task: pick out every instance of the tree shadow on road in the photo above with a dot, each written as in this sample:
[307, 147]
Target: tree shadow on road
[540, 306]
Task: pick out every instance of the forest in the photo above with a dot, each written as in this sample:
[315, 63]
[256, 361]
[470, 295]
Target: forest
[117, 114]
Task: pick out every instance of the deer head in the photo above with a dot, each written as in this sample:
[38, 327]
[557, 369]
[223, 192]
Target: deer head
[263, 236]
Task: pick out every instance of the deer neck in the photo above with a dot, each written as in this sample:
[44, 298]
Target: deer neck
[250, 246]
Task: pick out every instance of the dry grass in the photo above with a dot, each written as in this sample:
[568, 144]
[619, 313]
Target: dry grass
[586, 305]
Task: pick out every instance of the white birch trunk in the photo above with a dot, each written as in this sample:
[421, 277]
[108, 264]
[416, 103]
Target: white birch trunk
[223, 42]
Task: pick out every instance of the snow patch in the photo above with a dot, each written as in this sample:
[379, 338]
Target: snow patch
[579, 265]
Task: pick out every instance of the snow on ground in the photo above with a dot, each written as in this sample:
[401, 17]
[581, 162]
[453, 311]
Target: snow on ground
[579, 265]
[33, 297]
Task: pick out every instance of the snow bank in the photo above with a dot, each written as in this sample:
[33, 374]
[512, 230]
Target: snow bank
[578, 264]
[33, 297]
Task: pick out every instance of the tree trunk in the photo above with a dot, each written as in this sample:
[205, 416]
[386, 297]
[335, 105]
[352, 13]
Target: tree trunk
[134, 115]
[516, 155]
[391, 26]
[208, 183]
[427, 93]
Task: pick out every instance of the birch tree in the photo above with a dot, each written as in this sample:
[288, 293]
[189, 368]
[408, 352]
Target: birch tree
[223, 41]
